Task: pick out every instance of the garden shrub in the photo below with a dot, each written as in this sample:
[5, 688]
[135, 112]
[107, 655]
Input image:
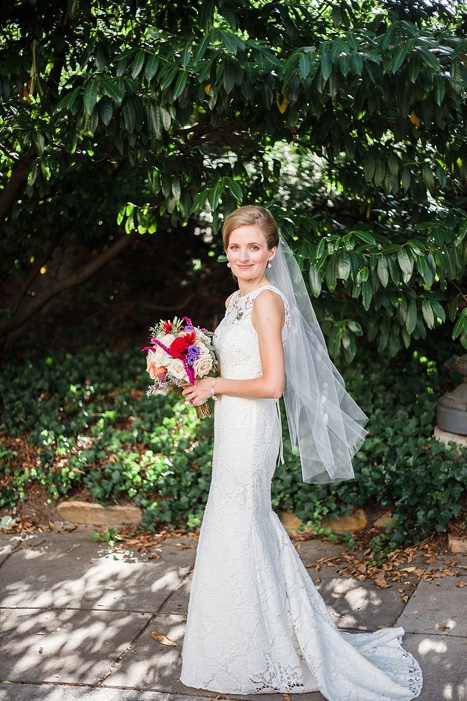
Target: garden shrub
[95, 427]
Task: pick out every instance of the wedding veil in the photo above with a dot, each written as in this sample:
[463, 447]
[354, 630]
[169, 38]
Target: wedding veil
[326, 426]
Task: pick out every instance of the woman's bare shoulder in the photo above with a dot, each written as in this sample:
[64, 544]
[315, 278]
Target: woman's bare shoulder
[268, 308]
[228, 300]
[269, 298]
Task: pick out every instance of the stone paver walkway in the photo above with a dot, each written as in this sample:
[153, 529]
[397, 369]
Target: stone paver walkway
[76, 620]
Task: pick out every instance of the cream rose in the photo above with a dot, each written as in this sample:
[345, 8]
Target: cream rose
[202, 365]
[154, 365]
[177, 369]
[167, 339]
[200, 336]
[160, 356]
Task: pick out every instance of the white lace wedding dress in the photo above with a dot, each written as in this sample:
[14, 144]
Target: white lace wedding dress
[256, 623]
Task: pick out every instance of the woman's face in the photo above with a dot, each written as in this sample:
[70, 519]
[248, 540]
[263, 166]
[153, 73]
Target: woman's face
[248, 252]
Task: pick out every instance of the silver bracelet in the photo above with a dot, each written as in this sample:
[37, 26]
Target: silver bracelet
[213, 388]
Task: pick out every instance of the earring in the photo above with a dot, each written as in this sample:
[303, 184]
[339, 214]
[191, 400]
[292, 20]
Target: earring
[269, 265]
[228, 265]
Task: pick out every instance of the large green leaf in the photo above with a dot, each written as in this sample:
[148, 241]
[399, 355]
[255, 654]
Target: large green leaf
[207, 13]
[428, 314]
[114, 88]
[398, 59]
[106, 110]
[137, 63]
[70, 100]
[304, 65]
[331, 273]
[356, 63]
[235, 188]
[369, 165]
[215, 194]
[439, 88]
[232, 41]
[315, 281]
[411, 320]
[90, 95]
[406, 263]
[460, 327]
[367, 294]
[380, 172]
[429, 58]
[180, 84]
[230, 73]
[343, 265]
[152, 64]
[129, 114]
[428, 178]
[167, 75]
[326, 64]
[383, 270]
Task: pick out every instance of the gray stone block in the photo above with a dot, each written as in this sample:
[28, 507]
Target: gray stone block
[357, 605]
[64, 646]
[80, 573]
[151, 665]
[435, 607]
[7, 544]
[353, 604]
[443, 659]
[30, 692]
[178, 602]
[312, 550]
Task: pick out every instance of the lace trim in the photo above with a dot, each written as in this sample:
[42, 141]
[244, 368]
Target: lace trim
[241, 307]
[279, 679]
[415, 680]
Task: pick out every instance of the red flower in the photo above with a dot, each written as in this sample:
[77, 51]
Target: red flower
[190, 337]
[178, 348]
[167, 326]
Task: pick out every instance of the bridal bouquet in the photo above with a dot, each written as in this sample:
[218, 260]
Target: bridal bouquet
[180, 353]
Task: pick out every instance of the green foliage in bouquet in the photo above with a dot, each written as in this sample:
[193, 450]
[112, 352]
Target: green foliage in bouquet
[95, 428]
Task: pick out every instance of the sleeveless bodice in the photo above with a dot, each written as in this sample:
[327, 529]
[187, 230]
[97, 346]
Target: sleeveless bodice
[236, 341]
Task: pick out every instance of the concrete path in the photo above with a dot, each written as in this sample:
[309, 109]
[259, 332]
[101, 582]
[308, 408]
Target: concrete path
[76, 619]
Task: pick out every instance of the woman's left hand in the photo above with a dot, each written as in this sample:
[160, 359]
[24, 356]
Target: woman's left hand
[199, 392]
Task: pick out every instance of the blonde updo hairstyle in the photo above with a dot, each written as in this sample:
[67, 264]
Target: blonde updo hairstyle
[251, 215]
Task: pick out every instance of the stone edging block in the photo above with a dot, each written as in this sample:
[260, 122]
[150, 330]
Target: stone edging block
[90, 514]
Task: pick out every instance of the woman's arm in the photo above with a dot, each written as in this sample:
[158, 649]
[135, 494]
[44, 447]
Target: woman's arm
[267, 319]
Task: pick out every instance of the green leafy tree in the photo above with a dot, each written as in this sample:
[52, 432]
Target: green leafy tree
[119, 117]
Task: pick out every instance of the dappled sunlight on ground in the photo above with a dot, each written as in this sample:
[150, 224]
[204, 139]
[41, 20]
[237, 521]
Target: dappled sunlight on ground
[74, 611]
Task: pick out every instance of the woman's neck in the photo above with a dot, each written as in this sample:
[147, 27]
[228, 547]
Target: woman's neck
[247, 286]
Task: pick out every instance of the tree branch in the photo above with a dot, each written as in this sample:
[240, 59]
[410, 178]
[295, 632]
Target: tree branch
[65, 283]
[176, 308]
[9, 155]
[33, 274]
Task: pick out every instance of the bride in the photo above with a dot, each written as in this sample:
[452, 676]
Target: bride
[256, 623]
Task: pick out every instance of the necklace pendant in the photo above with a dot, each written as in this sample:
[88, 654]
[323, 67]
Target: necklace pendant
[239, 316]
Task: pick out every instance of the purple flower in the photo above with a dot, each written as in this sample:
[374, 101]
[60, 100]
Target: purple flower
[192, 354]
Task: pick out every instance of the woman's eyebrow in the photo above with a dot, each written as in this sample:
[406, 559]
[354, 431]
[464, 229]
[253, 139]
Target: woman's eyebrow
[251, 243]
